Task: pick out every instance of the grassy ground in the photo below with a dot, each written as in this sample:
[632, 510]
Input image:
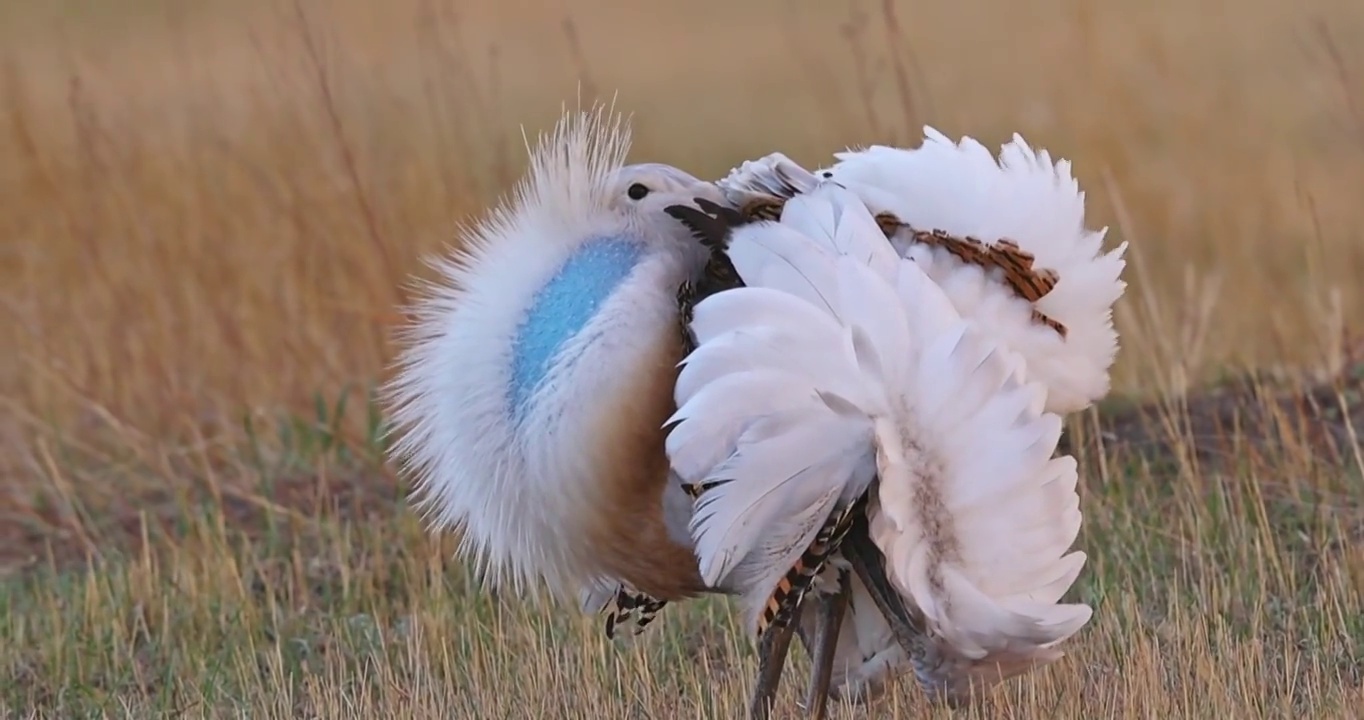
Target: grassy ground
[208, 218]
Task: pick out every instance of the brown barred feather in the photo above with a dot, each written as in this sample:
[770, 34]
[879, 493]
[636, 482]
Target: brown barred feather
[763, 208]
[695, 490]
[1014, 263]
[791, 589]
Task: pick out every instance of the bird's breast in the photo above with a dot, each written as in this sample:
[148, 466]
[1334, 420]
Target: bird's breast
[594, 360]
[564, 306]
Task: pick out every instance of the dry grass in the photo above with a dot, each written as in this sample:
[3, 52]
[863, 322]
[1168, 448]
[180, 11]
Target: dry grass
[208, 218]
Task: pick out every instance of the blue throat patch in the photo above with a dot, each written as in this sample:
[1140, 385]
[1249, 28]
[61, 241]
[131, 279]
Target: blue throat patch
[564, 306]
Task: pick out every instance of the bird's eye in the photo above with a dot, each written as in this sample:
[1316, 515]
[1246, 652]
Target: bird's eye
[637, 191]
[828, 174]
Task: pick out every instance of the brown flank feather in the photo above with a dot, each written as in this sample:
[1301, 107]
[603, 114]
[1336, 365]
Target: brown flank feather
[628, 530]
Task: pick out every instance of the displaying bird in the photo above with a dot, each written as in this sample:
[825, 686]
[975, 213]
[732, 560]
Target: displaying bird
[536, 404]
[845, 428]
[531, 390]
[1055, 320]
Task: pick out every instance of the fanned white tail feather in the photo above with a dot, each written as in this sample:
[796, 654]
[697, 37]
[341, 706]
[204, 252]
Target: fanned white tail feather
[834, 364]
[974, 515]
[961, 189]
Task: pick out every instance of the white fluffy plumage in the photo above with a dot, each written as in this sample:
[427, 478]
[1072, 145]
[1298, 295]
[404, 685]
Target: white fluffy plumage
[509, 432]
[962, 189]
[841, 362]
[748, 411]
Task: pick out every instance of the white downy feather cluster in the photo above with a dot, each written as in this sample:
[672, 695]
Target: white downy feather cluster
[773, 174]
[961, 189]
[515, 493]
[841, 361]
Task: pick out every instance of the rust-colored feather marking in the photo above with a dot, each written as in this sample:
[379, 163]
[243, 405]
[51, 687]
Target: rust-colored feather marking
[1041, 318]
[790, 591]
[969, 250]
[1014, 263]
[764, 207]
[1018, 270]
[888, 223]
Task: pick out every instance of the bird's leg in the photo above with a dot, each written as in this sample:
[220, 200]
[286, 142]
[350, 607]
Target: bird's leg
[772, 650]
[630, 605]
[828, 622]
[783, 609]
[870, 565]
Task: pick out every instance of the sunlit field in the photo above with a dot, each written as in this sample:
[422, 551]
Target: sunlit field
[210, 218]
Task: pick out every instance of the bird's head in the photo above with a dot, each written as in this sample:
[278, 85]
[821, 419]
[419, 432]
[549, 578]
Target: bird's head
[640, 193]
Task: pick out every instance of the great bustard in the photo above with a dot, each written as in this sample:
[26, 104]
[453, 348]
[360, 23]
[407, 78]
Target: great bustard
[532, 396]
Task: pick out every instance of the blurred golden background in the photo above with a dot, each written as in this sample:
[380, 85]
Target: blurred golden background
[210, 213]
[212, 209]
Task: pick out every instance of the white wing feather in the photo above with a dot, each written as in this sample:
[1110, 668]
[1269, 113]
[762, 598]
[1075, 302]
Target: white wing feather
[976, 525]
[780, 441]
[961, 189]
[837, 219]
[833, 365]
[781, 469]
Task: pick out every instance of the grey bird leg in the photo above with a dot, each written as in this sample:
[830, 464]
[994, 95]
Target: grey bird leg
[870, 566]
[828, 622]
[772, 649]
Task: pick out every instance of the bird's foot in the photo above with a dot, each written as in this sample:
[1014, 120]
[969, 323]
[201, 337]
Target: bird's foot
[633, 609]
